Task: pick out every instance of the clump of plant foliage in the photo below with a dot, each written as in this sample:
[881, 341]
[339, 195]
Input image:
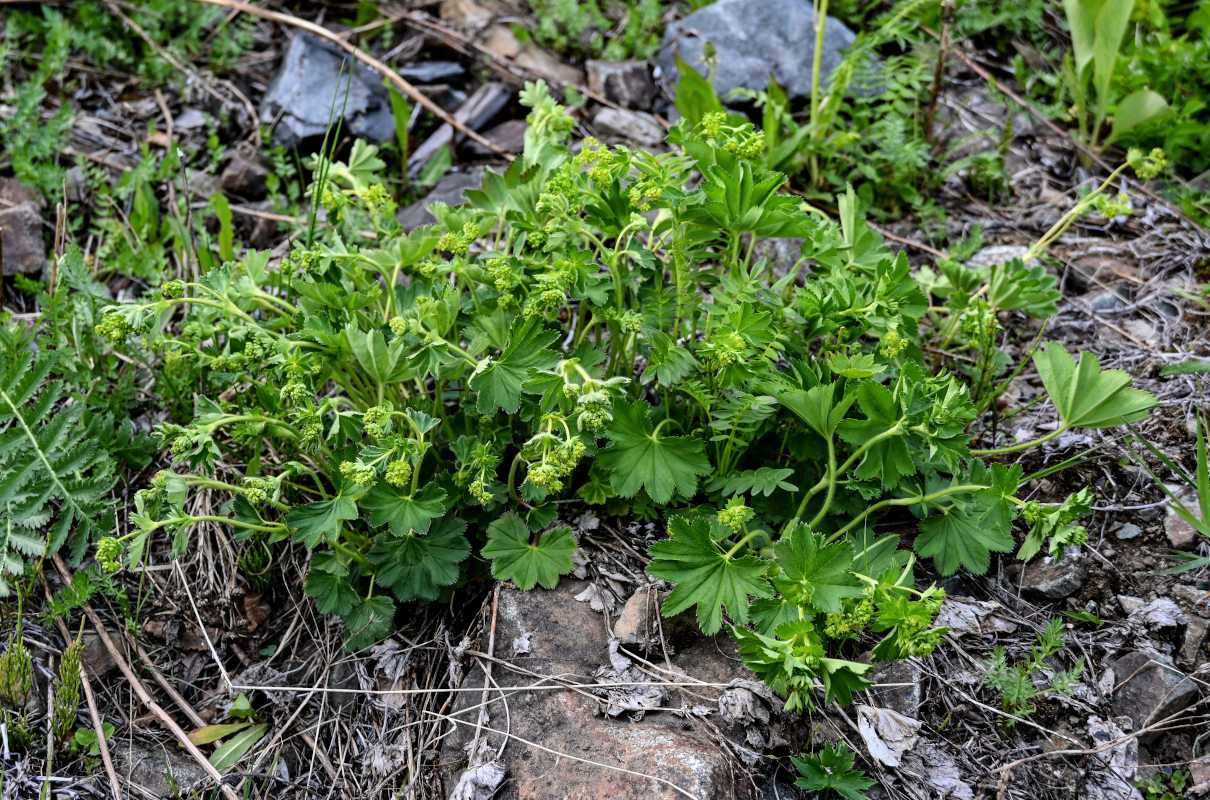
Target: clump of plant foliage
[593, 327]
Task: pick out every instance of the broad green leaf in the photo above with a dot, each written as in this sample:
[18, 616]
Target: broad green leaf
[1087, 396]
[333, 593]
[382, 362]
[515, 558]
[705, 575]
[815, 406]
[498, 380]
[953, 539]
[841, 678]
[388, 505]
[886, 459]
[832, 769]
[235, 748]
[1097, 30]
[815, 575]
[208, 734]
[638, 458]
[1014, 287]
[373, 620]
[1136, 109]
[416, 566]
[1054, 524]
[320, 521]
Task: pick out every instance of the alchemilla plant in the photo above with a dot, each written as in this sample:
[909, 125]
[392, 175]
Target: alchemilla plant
[594, 328]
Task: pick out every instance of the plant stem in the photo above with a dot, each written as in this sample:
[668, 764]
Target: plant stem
[904, 501]
[1013, 448]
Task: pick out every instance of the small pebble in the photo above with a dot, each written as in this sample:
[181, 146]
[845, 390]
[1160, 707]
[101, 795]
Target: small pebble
[1128, 531]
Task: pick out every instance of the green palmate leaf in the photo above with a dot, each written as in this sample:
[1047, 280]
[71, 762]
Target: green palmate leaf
[526, 564]
[333, 593]
[1087, 396]
[886, 459]
[841, 678]
[831, 769]
[319, 522]
[706, 575]
[382, 362]
[405, 513]
[416, 566]
[954, 538]
[1053, 524]
[817, 406]
[372, 620]
[1014, 287]
[815, 575]
[639, 458]
[498, 380]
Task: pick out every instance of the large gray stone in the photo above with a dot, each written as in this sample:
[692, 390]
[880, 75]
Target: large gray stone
[24, 247]
[1052, 580]
[607, 740]
[753, 38]
[1149, 689]
[309, 91]
[449, 190]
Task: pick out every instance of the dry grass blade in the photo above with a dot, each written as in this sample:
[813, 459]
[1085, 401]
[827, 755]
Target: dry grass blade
[145, 697]
[371, 62]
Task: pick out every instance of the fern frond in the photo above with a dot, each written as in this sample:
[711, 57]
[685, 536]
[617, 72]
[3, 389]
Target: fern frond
[53, 475]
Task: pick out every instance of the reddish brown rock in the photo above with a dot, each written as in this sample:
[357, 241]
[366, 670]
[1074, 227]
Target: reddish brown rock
[586, 746]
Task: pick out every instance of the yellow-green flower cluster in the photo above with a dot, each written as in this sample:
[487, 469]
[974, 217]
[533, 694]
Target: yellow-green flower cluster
[459, 243]
[742, 140]
[1147, 166]
[892, 343]
[736, 514]
[109, 554]
[399, 473]
[357, 472]
[115, 327]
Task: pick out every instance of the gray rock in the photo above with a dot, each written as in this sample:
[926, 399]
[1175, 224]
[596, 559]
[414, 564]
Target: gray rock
[1161, 617]
[309, 90]
[640, 626]
[627, 83]
[191, 119]
[24, 248]
[476, 112]
[449, 190]
[1128, 531]
[997, 254]
[158, 770]
[1181, 535]
[782, 254]
[431, 71]
[509, 136]
[904, 694]
[567, 638]
[1130, 604]
[1054, 581]
[245, 175]
[629, 126]
[96, 656]
[1193, 648]
[1106, 301]
[753, 38]
[1149, 689]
